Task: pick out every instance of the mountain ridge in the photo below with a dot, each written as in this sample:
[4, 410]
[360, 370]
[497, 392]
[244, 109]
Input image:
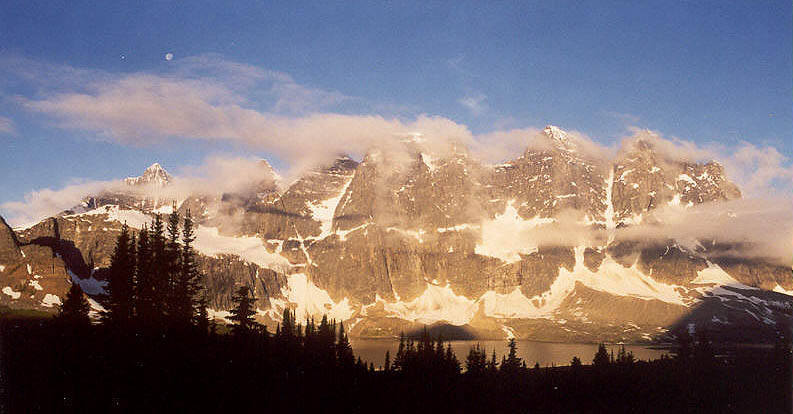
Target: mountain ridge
[404, 237]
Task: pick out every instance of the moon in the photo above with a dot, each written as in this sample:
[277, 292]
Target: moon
[168, 56]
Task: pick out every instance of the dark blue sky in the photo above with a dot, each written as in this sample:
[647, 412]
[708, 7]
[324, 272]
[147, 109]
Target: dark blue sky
[701, 71]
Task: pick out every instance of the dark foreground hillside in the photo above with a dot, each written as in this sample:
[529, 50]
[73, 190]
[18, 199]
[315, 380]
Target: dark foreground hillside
[51, 366]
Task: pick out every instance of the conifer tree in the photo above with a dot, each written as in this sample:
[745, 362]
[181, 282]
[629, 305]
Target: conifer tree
[326, 341]
[511, 363]
[625, 358]
[476, 361]
[683, 351]
[191, 277]
[601, 358]
[187, 288]
[173, 268]
[120, 285]
[160, 267]
[343, 349]
[287, 325]
[399, 361]
[575, 363]
[75, 308]
[202, 318]
[452, 363]
[145, 304]
[243, 312]
[387, 365]
[492, 365]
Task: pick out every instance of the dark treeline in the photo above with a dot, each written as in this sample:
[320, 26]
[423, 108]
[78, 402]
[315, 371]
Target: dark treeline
[155, 350]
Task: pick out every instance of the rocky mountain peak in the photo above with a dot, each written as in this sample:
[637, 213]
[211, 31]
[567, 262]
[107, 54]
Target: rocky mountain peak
[556, 133]
[155, 175]
[9, 246]
[556, 140]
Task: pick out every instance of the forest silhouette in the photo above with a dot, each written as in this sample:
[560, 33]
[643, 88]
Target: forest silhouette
[155, 349]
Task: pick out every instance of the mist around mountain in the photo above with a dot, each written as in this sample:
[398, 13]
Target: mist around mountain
[563, 243]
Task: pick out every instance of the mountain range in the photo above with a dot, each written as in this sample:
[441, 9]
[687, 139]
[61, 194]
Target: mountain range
[558, 244]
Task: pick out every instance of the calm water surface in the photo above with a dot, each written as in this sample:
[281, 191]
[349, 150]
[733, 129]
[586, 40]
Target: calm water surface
[546, 353]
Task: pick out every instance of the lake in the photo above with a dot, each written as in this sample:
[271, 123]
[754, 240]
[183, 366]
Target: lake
[546, 353]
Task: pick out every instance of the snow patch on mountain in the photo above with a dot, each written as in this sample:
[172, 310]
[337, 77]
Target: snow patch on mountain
[504, 235]
[714, 274]
[609, 213]
[611, 277]
[135, 219]
[344, 233]
[313, 301]
[221, 315]
[459, 227]
[323, 211]
[430, 161]
[10, 292]
[50, 300]
[511, 305]
[209, 242]
[437, 303]
[90, 286]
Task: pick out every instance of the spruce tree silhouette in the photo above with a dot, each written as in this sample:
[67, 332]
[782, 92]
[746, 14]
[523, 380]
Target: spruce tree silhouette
[75, 308]
[172, 273]
[512, 364]
[576, 364]
[121, 282]
[344, 354]
[190, 280]
[476, 362]
[601, 358]
[145, 302]
[243, 313]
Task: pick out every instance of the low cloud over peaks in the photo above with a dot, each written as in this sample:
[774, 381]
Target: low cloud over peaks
[210, 99]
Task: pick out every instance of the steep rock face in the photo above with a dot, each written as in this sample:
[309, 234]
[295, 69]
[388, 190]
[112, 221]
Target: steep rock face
[304, 210]
[85, 242]
[409, 236]
[669, 264]
[643, 180]
[422, 192]
[556, 176]
[224, 273]
[9, 246]
[29, 274]
[756, 273]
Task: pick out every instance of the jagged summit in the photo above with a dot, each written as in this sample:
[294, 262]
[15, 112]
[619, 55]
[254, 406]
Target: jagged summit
[416, 234]
[556, 133]
[155, 175]
[559, 139]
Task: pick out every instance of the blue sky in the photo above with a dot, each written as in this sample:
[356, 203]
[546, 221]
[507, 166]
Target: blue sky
[707, 72]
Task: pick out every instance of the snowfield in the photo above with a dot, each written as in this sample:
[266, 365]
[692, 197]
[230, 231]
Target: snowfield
[210, 243]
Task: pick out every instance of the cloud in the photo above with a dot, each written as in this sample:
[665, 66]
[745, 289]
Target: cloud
[7, 126]
[215, 176]
[476, 103]
[755, 228]
[758, 171]
[209, 98]
[43, 203]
